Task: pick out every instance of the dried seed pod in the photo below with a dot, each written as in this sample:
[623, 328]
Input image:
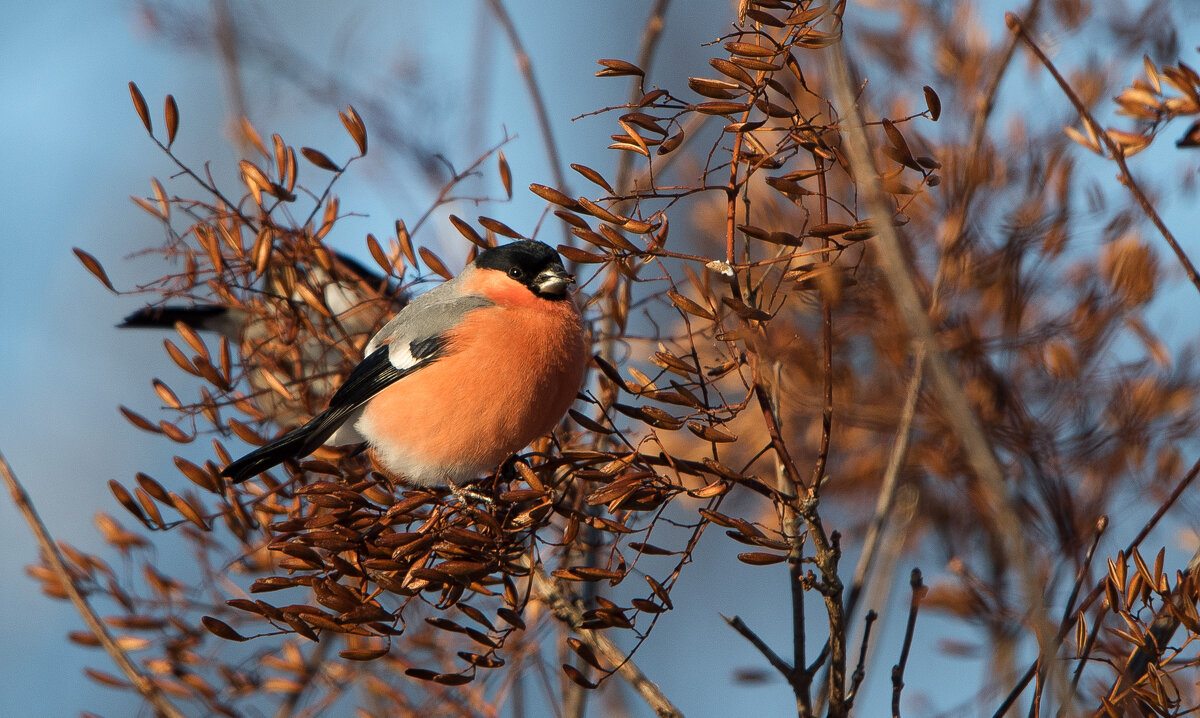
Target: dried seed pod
[505, 173]
[618, 68]
[933, 103]
[354, 125]
[221, 629]
[467, 231]
[690, 307]
[593, 176]
[434, 262]
[500, 228]
[554, 196]
[91, 264]
[727, 68]
[139, 104]
[715, 89]
[719, 107]
[320, 159]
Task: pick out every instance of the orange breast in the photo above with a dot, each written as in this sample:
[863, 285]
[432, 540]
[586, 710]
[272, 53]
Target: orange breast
[512, 372]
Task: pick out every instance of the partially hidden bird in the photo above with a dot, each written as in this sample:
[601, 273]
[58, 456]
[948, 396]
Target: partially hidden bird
[290, 372]
[462, 377]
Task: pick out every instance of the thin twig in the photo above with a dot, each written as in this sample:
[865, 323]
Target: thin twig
[800, 679]
[1118, 155]
[58, 565]
[826, 349]
[918, 592]
[891, 480]
[525, 66]
[827, 559]
[860, 671]
[651, 34]
[564, 610]
[311, 668]
[737, 624]
[1067, 620]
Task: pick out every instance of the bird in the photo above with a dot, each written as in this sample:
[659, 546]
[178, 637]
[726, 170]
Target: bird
[274, 354]
[461, 378]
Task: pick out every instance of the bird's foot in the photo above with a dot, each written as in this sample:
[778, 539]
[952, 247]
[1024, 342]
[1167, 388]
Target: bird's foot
[463, 494]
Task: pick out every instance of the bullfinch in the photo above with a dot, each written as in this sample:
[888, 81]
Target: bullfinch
[461, 378]
[358, 298]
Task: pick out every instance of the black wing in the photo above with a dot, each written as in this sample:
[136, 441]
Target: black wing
[370, 377]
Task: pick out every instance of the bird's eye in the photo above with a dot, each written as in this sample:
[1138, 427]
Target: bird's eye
[516, 273]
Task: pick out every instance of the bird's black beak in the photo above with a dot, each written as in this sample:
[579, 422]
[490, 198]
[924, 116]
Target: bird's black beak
[553, 281]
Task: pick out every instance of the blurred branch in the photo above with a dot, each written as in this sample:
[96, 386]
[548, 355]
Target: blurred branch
[225, 34]
[1018, 27]
[977, 449]
[884, 506]
[177, 23]
[525, 66]
[992, 89]
[891, 480]
[58, 565]
[958, 215]
[304, 681]
[1098, 589]
[1067, 621]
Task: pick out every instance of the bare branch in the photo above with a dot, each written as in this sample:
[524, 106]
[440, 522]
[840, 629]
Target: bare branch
[918, 592]
[737, 624]
[860, 671]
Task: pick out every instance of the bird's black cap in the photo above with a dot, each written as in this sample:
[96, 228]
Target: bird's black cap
[528, 262]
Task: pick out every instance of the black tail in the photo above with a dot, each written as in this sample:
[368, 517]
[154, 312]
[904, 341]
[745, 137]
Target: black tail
[292, 445]
[198, 316]
[370, 377]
